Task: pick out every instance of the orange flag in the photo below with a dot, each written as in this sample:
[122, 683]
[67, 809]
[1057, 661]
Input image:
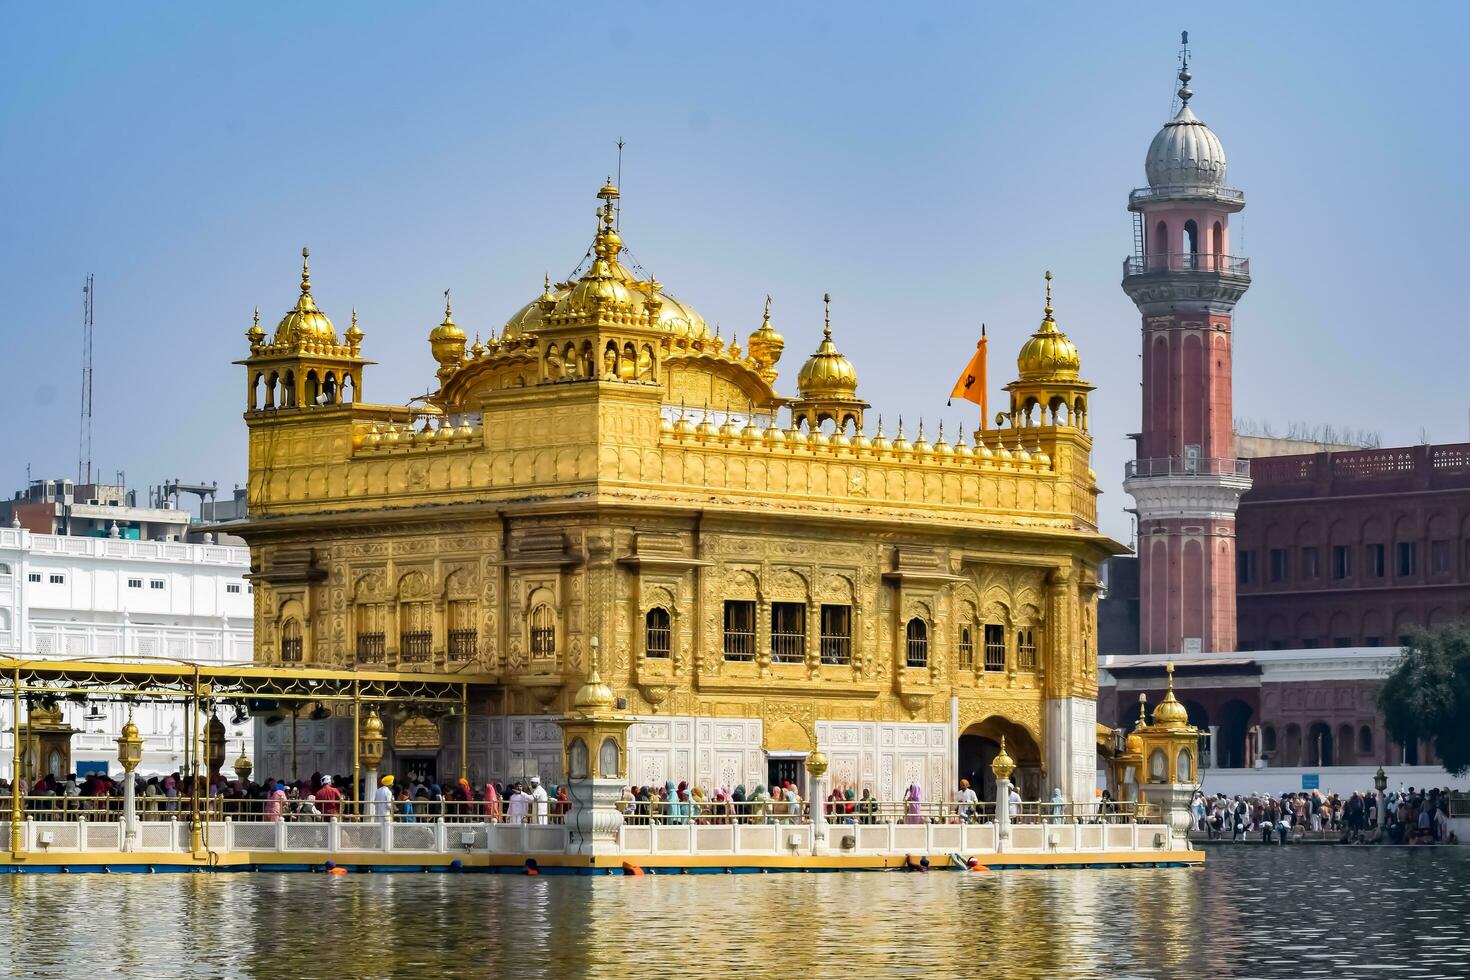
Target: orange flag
[971, 385]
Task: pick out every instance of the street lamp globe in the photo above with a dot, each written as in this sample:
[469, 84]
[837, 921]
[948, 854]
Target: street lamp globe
[243, 767]
[1380, 780]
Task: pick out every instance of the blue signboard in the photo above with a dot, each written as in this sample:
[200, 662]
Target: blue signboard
[1311, 780]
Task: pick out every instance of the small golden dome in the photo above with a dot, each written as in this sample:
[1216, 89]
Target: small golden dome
[1170, 712]
[765, 344]
[880, 442]
[372, 726]
[255, 334]
[447, 340]
[304, 322]
[773, 436]
[683, 428]
[1048, 355]
[1133, 745]
[353, 336]
[827, 373]
[594, 694]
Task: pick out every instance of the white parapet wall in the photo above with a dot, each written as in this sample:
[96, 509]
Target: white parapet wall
[1342, 780]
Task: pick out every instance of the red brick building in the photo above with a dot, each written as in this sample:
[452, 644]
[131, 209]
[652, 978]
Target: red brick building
[1342, 549]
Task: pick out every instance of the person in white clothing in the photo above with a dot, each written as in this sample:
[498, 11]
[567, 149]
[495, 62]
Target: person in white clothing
[383, 799]
[1014, 802]
[520, 803]
[538, 800]
[966, 799]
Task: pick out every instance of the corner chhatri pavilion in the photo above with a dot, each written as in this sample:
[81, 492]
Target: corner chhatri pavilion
[759, 576]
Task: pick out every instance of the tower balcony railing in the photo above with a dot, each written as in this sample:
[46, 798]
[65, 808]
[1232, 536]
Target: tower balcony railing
[1139, 265]
[1226, 195]
[1180, 466]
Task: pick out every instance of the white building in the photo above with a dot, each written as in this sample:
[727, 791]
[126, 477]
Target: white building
[72, 597]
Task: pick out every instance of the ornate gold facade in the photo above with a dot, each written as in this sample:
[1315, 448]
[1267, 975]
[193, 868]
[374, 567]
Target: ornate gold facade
[608, 466]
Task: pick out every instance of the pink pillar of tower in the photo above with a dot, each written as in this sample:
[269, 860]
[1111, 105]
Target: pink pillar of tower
[1186, 481]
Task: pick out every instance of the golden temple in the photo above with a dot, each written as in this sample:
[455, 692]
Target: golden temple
[609, 474]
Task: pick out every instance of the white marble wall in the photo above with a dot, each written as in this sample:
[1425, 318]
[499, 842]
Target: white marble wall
[1071, 748]
[887, 757]
[708, 752]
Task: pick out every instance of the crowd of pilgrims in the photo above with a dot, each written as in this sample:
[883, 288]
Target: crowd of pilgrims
[1412, 816]
[323, 796]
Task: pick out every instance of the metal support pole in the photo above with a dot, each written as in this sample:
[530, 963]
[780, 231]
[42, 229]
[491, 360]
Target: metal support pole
[130, 811]
[15, 801]
[294, 707]
[464, 731]
[196, 832]
[1002, 813]
[356, 747]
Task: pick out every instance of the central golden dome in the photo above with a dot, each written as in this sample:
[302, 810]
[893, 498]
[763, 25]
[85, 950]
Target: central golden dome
[304, 320]
[609, 281]
[1048, 355]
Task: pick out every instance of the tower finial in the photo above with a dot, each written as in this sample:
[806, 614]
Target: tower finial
[447, 309]
[767, 315]
[305, 271]
[827, 315]
[1048, 294]
[1184, 75]
[257, 316]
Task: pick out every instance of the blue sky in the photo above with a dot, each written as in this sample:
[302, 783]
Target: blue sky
[922, 163]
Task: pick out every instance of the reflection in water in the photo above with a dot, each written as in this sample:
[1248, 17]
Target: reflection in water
[1250, 912]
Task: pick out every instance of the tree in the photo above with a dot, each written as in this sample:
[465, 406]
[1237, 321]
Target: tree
[1427, 694]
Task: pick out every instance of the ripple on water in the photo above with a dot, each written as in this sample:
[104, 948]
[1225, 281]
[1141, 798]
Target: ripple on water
[1251, 911]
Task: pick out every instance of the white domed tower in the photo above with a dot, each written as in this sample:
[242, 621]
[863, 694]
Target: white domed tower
[1186, 481]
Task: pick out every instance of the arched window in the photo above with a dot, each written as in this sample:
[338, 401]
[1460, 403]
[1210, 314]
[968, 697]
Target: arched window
[291, 643]
[543, 633]
[967, 648]
[917, 640]
[1217, 245]
[1026, 649]
[1268, 738]
[415, 631]
[607, 759]
[1191, 237]
[1158, 765]
[4, 568]
[1365, 741]
[372, 627]
[657, 639]
[1182, 771]
[577, 759]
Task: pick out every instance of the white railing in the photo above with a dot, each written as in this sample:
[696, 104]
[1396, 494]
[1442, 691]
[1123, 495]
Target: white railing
[332, 838]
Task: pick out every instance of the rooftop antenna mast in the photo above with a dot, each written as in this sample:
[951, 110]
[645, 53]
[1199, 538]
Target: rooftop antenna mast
[84, 447]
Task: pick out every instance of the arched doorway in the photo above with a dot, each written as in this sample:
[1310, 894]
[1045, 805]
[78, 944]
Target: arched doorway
[1318, 750]
[1234, 722]
[978, 747]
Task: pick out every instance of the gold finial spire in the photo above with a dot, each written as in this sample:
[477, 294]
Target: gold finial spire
[1142, 709]
[767, 314]
[354, 316]
[448, 311]
[1048, 294]
[305, 271]
[827, 315]
[256, 321]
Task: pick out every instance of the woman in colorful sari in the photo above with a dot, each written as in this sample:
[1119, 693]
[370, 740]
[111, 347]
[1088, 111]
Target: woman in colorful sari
[914, 798]
[849, 806]
[759, 804]
[699, 807]
[738, 804]
[492, 803]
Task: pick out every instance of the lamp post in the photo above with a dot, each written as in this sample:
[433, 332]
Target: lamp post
[1002, 766]
[816, 768]
[1380, 783]
[129, 753]
[370, 751]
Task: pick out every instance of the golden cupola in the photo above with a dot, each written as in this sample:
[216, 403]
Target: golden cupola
[303, 366]
[447, 341]
[1169, 713]
[826, 386]
[1047, 378]
[1048, 354]
[765, 346]
[304, 323]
